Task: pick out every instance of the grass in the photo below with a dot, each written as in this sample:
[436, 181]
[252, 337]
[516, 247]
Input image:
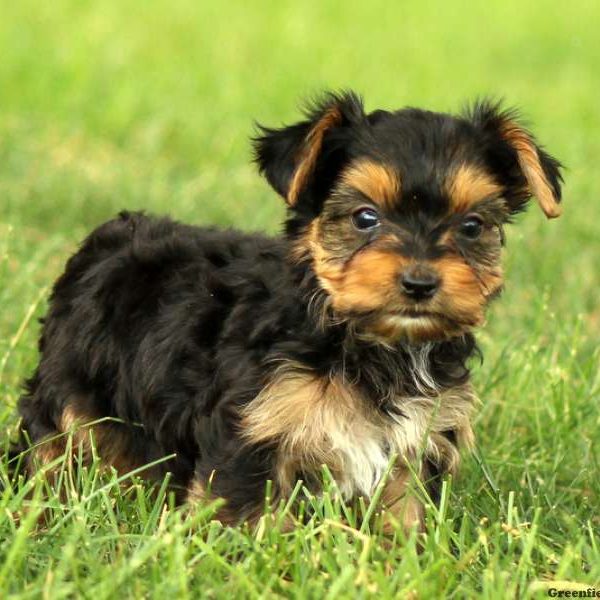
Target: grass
[122, 104]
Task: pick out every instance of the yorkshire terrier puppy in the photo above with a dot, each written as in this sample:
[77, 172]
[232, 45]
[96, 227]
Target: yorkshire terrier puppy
[343, 342]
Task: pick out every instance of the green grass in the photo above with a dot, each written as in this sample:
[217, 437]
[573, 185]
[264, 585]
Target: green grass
[126, 104]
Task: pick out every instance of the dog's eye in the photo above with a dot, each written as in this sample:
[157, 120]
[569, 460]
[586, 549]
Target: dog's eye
[365, 219]
[471, 227]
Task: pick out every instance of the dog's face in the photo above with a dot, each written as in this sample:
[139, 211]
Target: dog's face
[401, 213]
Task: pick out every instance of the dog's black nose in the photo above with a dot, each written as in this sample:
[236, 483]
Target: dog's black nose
[419, 284]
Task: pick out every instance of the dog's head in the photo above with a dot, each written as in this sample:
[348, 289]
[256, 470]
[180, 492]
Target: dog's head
[401, 213]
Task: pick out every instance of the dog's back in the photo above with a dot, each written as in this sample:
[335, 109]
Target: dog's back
[145, 316]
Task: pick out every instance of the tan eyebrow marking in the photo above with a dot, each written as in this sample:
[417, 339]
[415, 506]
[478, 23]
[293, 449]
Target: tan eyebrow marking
[377, 181]
[468, 185]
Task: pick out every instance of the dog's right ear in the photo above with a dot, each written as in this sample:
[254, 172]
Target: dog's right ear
[293, 157]
[527, 169]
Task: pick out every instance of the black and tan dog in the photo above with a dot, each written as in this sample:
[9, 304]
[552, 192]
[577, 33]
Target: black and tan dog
[341, 343]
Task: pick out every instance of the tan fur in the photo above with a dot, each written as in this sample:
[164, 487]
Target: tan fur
[400, 504]
[468, 185]
[399, 500]
[459, 304]
[377, 181]
[367, 282]
[110, 439]
[529, 161]
[196, 492]
[464, 292]
[310, 152]
[45, 453]
[388, 328]
[316, 420]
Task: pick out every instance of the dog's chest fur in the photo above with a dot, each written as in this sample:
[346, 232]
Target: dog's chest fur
[314, 421]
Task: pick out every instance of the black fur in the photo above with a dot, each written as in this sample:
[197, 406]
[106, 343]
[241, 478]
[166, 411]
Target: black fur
[276, 150]
[175, 328]
[488, 117]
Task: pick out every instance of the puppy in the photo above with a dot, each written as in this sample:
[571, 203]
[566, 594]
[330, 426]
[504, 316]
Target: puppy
[343, 342]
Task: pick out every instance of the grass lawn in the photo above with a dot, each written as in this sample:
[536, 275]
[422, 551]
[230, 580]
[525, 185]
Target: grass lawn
[125, 104]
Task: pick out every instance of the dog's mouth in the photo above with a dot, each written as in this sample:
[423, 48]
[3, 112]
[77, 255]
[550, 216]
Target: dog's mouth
[416, 325]
[417, 314]
[414, 319]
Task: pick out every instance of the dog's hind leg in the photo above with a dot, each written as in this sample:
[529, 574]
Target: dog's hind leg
[78, 432]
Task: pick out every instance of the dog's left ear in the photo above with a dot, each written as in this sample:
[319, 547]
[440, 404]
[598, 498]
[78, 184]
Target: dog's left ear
[521, 163]
[308, 155]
